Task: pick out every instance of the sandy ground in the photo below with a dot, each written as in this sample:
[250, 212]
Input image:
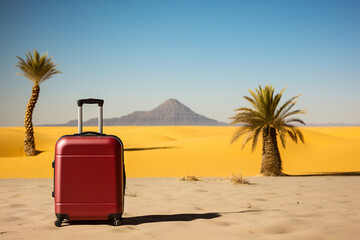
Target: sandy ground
[326, 207]
[179, 151]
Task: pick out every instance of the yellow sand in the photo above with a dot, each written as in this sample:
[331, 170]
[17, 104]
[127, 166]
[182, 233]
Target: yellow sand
[179, 151]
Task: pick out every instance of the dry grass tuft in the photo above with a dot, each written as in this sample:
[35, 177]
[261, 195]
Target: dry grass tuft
[238, 179]
[190, 178]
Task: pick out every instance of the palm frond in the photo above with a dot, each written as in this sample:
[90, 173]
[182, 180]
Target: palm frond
[244, 117]
[301, 136]
[256, 134]
[282, 138]
[292, 135]
[295, 120]
[241, 131]
[285, 107]
[275, 102]
[37, 68]
[252, 101]
[247, 139]
[293, 113]
[266, 112]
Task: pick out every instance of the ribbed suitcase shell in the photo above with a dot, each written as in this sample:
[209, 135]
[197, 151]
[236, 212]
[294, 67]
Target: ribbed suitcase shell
[89, 177]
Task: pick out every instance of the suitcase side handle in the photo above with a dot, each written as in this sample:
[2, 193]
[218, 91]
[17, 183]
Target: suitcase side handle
[100, 103]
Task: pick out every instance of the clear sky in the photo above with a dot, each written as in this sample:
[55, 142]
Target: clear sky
[207, 54]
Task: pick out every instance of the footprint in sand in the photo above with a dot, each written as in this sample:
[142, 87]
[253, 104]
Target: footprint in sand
[125, 229]
[17, 205]
[16, 195]
[260, 199]
[270, 194]
[278, 230]
[32, 213]
[47, 228]
[202, 190]
[13, 190]
[10, 219]
[224, 224]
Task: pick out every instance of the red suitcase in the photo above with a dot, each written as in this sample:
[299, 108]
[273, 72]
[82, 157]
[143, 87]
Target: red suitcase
[89, 174]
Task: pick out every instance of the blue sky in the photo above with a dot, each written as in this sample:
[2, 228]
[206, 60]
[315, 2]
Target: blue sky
[206, 54]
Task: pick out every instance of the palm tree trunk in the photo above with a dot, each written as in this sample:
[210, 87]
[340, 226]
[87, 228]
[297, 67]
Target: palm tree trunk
[271, 160]
[29, 141]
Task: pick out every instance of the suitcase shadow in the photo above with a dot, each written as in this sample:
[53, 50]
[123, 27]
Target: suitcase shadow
[326, 174]
[145, 149]
[183, 217]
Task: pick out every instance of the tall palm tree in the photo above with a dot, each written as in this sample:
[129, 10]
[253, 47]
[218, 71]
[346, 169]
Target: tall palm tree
[37, 69]
[273, 121]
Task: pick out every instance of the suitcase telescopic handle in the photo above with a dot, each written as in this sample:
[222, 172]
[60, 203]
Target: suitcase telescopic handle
[99, 102]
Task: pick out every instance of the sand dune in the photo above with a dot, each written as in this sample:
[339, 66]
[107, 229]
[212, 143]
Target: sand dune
[270, 208]
[179, 151]
[324, 207]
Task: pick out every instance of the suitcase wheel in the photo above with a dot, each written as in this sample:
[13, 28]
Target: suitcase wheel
[58, 222]
[117, 222]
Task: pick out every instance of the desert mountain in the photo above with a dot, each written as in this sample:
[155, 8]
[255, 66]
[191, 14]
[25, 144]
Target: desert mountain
[169, 113]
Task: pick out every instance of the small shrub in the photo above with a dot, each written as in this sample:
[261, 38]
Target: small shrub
[190, 178]
[238, 179]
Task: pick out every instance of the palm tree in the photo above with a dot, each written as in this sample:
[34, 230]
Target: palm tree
[272, 121]
[37, 69]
